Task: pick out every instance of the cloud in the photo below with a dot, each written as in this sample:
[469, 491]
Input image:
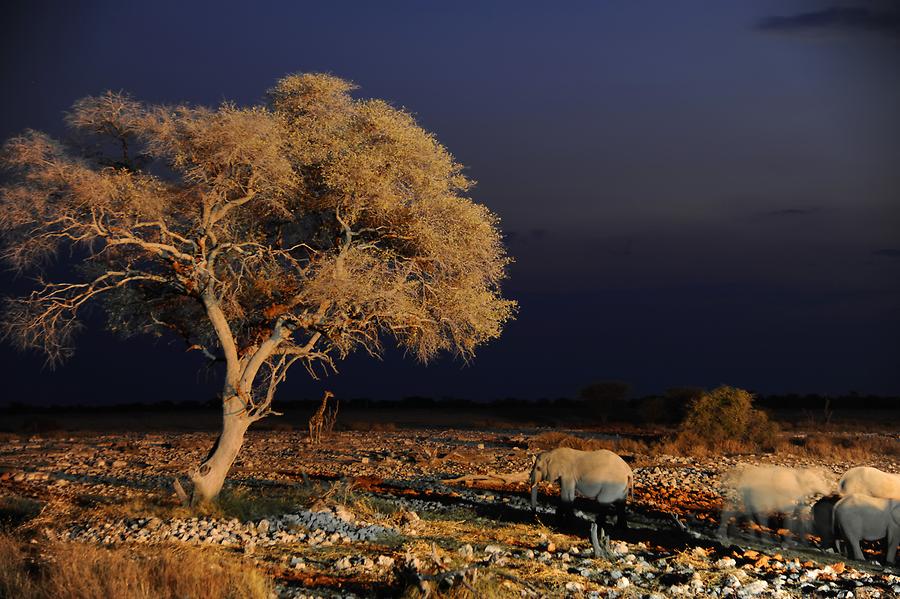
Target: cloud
[843, 19]
[888, 252]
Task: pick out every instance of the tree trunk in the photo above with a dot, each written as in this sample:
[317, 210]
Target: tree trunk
[210, 476]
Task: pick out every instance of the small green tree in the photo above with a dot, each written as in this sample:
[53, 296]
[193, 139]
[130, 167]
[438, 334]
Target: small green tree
[726, 414]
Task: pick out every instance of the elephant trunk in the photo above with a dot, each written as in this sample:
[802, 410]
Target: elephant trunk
[534, 489]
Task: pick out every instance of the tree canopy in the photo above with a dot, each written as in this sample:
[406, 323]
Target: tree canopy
[293, 231]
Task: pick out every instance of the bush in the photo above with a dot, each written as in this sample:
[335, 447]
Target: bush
[725, 417]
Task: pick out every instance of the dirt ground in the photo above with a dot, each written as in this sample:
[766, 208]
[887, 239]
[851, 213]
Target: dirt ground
[386, 513]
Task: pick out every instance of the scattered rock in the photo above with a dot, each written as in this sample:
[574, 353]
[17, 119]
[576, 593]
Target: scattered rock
[754, 588]
[726, 562]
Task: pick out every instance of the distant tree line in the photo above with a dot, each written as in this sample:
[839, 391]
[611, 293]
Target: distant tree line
[604, 403]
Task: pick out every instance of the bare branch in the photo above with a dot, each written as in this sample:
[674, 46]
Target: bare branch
[47, 318]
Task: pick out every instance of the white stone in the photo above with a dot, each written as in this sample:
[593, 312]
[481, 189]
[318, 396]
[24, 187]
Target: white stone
[725, 562]
[343, 564]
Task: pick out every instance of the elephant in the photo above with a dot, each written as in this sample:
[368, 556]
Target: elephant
[865, 518]
[866, 480]
[599, 475]
[768, 490]
[823, 520]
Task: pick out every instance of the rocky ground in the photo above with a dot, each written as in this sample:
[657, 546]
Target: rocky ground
[373, 513]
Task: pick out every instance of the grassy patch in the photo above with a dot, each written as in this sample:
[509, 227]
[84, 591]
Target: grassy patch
[453, 513]
[846, 448]
[466, 585]
[78, 571]
[238, 502]
[15, 511]
[246, 504]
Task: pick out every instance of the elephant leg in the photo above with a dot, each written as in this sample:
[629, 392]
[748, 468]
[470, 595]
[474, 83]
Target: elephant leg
[621, 518]
[854, 545]
[600, 519]
[565, 517]
[566, 511]
[828, 540]
[762, 520]
[567, 490]
[893, 539]
[793, 522]
[727, 514]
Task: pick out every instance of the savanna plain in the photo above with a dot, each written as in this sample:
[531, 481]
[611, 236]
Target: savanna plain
[415, 502]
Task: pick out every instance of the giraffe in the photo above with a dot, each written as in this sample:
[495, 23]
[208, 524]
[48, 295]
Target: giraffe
[318, 419]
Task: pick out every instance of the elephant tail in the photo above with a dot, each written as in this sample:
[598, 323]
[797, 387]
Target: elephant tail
[630, 491]
[834, 530]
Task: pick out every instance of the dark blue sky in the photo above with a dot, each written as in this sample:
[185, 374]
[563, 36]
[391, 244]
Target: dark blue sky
[696, 193]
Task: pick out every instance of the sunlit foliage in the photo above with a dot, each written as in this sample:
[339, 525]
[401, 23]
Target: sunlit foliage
[298, 230]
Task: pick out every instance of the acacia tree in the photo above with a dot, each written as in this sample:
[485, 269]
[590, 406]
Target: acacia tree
[288, 233]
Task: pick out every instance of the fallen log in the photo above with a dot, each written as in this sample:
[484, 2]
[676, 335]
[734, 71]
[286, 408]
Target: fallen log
[491, 477]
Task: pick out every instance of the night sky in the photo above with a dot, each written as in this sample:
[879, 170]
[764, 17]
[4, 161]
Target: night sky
[695, 193]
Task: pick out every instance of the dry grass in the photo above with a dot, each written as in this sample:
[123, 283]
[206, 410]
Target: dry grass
[688, 445]
[237, 502]
[78, 571]
[485, 583]
[846, 448]
[15, 511]
[517, 577]
[832, 448]
[552, 440]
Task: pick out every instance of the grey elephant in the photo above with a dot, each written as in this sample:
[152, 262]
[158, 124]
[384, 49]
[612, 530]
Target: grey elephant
[866, 480]
[598, 475]
[864, 518]
[764, 491]
[823, 520]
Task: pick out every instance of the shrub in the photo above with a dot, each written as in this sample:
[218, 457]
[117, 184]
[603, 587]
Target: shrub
[725, 417]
